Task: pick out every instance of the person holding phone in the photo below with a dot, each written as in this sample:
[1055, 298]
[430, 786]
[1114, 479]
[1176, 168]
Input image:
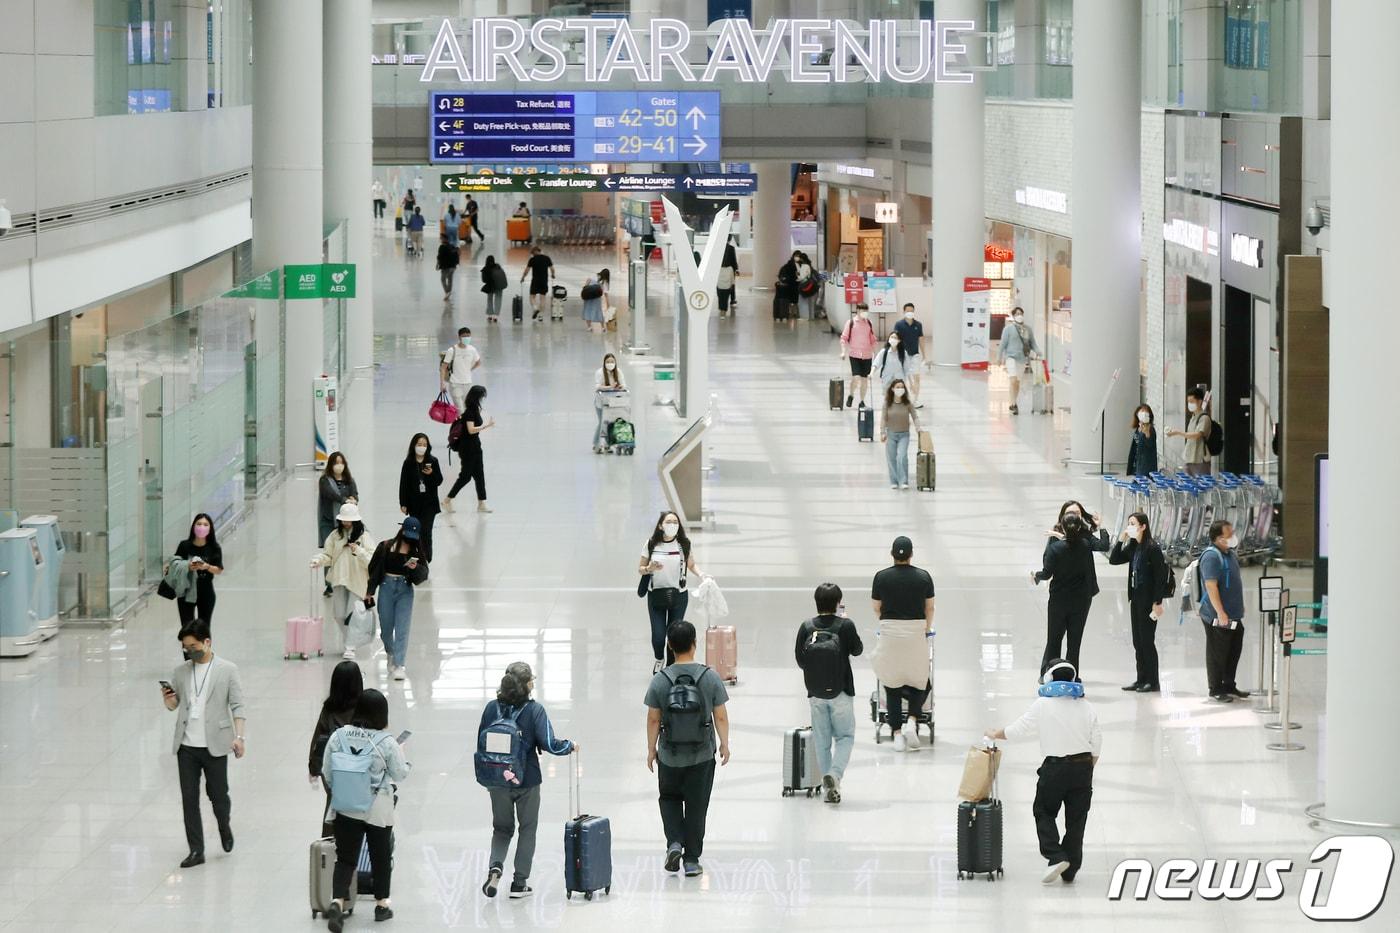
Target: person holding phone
[346, 553]
[398, 565]
[367, 733]
[419, 479]
[207, 695]
[519, 806]
[206, 560]
[1147, 586]
[1068, 563]
[664, 563]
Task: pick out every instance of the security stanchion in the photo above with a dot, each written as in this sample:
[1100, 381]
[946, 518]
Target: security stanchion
[1286, 635]
[1270, 596]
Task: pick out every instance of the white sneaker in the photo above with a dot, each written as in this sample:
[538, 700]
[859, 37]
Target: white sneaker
[349, 654]
[399, 673]
[894, 485]
[1054, 872]
[900, 742]
[903, 485]
[912, 739]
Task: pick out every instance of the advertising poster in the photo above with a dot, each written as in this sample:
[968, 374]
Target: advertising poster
[879, 293]
[855, 288]
[977, 320]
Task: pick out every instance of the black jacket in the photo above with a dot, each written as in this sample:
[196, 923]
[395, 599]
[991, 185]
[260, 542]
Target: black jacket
[1142, 454]
[326, 724]
[1147, 576]
[1070, 567]
[851, 647]
[333, 494]
[426, 502]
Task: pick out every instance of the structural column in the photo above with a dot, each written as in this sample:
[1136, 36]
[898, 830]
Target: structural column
[959, 224]
[1363, 639]
[287, 201]
[1107, 222]
[772, 221]
[349, 159]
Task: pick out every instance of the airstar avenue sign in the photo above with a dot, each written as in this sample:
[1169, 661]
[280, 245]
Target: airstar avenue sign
[906, 52]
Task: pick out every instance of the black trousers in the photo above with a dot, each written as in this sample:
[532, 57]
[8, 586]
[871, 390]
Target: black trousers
[1223, 648]
[446, 276]
[202, 608]
[349, 837]
[1144, 641]
[473, 471]
[895, 709]
[684, 797]
[1065, 617]
[194, 761]
[1067, 782]
[426, 519]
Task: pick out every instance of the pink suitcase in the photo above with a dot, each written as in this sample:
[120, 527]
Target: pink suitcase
[303, 635]
[722, 652]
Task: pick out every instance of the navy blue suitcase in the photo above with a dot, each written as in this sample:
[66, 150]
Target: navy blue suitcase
[865, 424]
[587, 849]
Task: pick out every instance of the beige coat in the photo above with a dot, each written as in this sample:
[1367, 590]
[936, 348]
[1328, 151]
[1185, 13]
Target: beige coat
[901, 654]
[348, 570]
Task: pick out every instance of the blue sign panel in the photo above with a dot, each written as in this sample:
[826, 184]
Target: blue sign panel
[584, 126]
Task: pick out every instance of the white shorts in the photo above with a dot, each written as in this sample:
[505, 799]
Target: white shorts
[1015, 368]
[913, 365]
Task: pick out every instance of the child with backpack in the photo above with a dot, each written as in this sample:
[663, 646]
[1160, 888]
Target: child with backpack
[514, 730]
[825, 646]
[685, 711]
[361, 764]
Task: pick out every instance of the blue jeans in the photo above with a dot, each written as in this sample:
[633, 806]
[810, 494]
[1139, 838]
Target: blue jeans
[600, 437]
[661, 620]
[395, 601]
[833, 720]
[897, 456]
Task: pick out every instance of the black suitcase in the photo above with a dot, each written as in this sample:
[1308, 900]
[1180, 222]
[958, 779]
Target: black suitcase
[836, 394]
[517, 309]
[865, 424]
[398, 224]
[926, 471]
[979, 839]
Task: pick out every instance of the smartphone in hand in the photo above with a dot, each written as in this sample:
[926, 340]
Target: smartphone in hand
[165, 686]
[403, 736]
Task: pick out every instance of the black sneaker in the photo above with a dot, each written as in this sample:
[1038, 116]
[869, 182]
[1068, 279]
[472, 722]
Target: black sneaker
[1222, 698]
[382, 913]
[693, 870]
[493, 881]
[520, 889]
[335, 918]
[673, 858]
[1131, 687]
[1015, 410]
[1236, 691]
[1149, 688]
[193, 859]
[849, 400]
[226, 837]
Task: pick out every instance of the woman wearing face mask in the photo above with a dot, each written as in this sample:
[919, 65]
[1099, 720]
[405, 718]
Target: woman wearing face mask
[1196, 454]
[1068, 563]
[1142, 455]
[469, 449]
[608, 379]
[419, 479]
[666, 562]
[337, 487]
[899, 416]
[1017, 349]
[891, 364]
[858, 342]
[346, 557]
[206, 559]
[1147, 584]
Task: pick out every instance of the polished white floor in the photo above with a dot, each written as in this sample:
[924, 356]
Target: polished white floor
[90, 826]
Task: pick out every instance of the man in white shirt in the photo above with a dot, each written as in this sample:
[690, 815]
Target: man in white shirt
[1070, 739]
[457, 364]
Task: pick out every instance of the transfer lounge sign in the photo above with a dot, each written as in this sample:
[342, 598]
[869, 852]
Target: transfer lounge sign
[322, 280]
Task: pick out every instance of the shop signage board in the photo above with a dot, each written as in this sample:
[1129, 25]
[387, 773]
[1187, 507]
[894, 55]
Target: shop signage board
[321, 280]
[264, 286]
[617, 126]
[977, 331]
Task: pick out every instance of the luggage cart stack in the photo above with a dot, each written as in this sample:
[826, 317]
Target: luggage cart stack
[1181, 508]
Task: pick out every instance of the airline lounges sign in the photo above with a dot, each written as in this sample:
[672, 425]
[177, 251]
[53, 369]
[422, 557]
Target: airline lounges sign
[902, 51]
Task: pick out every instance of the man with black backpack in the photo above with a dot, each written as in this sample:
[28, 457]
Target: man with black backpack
[686, 710]
[825, 646]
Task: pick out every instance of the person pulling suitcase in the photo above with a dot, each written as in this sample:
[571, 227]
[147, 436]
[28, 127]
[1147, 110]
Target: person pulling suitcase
[1070, 739]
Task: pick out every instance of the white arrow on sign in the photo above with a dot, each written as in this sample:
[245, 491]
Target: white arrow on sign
[442, 126]
[608, 182]
[695, 115]
[696, 147]
[689, 182]
[529, 183]
[450, 184]
[443, 105]
[443, 148]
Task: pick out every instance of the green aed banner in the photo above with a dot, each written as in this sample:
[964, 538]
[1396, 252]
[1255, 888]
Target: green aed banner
[323, 280]
[264, 286]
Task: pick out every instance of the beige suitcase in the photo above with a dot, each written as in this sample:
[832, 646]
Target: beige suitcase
[322, 874]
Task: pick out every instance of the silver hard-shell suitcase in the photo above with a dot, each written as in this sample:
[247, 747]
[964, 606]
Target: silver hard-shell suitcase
[322, 874]
[800, 771]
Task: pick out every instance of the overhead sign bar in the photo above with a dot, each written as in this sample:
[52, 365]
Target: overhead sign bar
[902, 51]
[736, 185]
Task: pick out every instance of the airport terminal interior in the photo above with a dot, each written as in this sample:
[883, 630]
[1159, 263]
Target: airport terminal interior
[243, 242]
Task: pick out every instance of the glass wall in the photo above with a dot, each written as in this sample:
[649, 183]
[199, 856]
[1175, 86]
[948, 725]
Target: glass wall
[1262, 56]
[159, 56]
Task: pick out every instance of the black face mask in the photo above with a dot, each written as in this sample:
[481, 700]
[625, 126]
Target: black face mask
[194, 654]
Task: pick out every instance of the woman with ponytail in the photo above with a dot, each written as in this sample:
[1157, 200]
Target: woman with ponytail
[519, 803]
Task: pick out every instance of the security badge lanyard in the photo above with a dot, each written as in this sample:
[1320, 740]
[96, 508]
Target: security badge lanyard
[197, 708]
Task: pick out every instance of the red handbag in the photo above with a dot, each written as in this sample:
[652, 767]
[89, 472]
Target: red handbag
[442, 409]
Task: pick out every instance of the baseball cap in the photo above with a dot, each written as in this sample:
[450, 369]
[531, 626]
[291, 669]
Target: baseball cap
[902, 548]
[412, 528]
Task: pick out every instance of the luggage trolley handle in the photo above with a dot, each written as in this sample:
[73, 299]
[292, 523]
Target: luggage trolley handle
[575, 782]
[311, 607]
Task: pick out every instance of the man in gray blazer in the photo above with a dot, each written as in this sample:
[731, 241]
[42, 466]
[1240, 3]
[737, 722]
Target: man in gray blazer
[208, 695]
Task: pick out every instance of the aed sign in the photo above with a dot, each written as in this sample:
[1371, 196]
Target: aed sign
[1247, 251]
[809, 51]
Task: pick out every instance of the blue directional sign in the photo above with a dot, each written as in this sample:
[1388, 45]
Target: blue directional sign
[582, 126]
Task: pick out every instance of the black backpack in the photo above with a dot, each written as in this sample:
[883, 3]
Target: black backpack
[822, 662]
[685, 719]
[1215, 439]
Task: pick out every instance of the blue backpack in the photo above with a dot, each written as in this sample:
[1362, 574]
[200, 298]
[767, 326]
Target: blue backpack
[500, 747]
[352, 789]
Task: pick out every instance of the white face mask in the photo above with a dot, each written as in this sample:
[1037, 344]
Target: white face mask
[894, 344]
[420, 450]
[1017, 318]
[610, 366]
[1135, 531]
[898, 392]
[861, 315]
[909, 315]
[669, 529]
[1232, 542]
[338, 469]
[1144, 417]
[1191, 407]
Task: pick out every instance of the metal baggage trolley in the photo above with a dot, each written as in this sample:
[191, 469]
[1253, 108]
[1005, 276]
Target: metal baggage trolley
[616, 405]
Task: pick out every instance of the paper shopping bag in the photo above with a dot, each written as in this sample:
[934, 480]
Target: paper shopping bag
[925, 442]
[979, 771]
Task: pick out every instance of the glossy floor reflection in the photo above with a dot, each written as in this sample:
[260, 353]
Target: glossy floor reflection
[90, 828]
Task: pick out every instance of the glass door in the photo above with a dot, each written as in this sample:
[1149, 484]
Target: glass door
[152, 448]
[7, 429]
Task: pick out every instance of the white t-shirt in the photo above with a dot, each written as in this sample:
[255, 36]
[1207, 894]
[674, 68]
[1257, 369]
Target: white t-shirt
[199, 697]
[617, 373]
[460, 361]
[670, 556]
[1066, 726]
